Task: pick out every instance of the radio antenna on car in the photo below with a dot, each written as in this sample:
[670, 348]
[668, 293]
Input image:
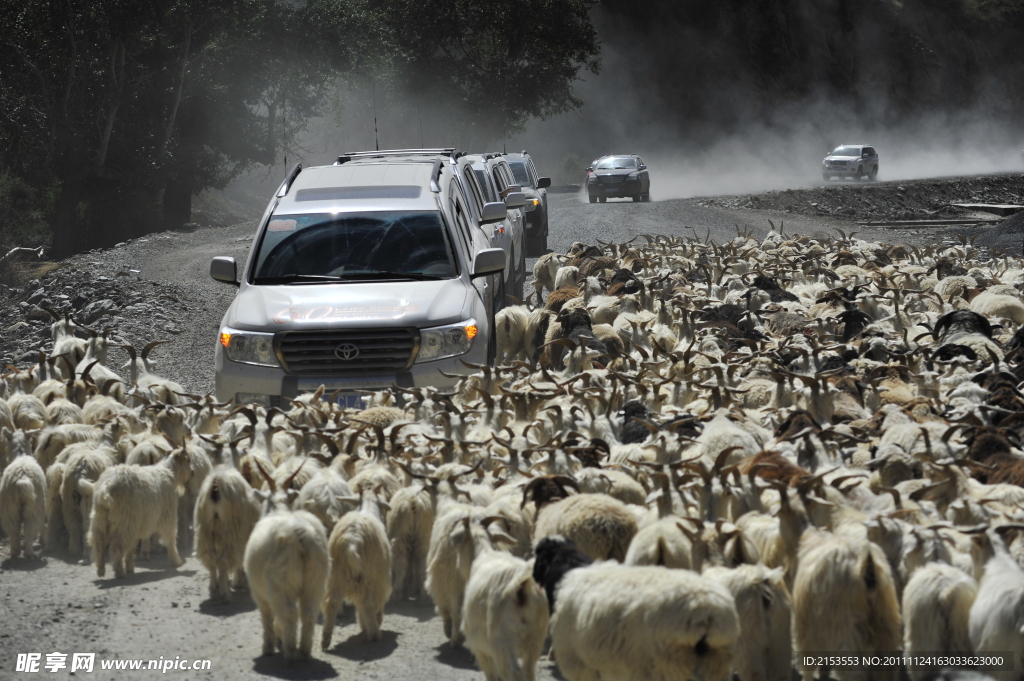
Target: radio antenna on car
[376, 142]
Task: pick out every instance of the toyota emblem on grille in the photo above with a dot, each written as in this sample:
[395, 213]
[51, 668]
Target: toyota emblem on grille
[346, 352]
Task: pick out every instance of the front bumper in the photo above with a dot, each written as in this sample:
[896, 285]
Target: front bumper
[624, 188]
[233, 378]
[839, 170]
[535, 219]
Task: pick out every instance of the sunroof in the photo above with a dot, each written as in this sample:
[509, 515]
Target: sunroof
[349, 193]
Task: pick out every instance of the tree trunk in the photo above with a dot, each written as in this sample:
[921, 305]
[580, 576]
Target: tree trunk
[271, 147]
[177, 205]
[117, 78]
[69, 235]
[169, 132]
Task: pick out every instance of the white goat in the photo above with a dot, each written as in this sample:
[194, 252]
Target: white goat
[764, 650]
[997, 616]
[457, 537]
[132, 503]
[505, 617]
[936, 612]
[619, 623]
[225, 514]
[360, 568]
[286, 562]
[844, 599]
[23, 501]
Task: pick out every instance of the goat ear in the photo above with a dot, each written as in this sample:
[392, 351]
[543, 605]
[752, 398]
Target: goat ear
[460, 533]
[500, 536]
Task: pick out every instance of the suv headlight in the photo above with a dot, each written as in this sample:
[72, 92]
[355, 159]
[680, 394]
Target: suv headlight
[247, 347]
[446, 341]
[531, 204]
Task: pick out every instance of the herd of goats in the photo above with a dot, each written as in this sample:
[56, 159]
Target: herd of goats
[690, 461]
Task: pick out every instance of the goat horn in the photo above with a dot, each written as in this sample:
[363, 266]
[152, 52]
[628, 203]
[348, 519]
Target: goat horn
[149, 348]
[270, 481]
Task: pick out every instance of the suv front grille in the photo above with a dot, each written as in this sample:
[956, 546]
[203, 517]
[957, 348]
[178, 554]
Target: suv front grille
[357, 351]
[611, 179]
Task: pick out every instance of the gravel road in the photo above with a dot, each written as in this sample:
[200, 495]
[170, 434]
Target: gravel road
[60, 606]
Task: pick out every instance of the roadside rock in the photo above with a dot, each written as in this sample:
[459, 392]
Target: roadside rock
[904, 200]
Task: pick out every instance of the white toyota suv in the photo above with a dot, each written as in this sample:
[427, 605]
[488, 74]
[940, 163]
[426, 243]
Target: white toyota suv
[362, 274]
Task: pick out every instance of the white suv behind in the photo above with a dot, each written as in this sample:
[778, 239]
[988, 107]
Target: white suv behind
[363, 274]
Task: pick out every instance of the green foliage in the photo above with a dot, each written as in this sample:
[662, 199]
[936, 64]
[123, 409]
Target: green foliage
[992, 10]
[129, 108]
[571, 170]
[23, 213]
[502, 61]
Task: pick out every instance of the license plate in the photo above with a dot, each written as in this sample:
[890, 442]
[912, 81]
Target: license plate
[346, 389]
[348, 400]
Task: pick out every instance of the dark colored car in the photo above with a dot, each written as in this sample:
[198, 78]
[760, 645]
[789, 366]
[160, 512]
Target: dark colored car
[535, 188]
[618, 177]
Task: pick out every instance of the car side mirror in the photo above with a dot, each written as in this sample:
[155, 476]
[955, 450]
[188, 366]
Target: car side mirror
[543, 182]
[493, 212]
[590, 169]
[643, 166]
[488, 261]
[515, 199]
[224, 269]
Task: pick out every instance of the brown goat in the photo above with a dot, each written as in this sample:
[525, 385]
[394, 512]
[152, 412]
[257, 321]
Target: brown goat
[772, 465]
[559, 297]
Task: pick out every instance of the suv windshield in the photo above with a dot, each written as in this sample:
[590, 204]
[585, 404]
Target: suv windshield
[519, 170]
[325, 247]
[847, 151]
[616, 164]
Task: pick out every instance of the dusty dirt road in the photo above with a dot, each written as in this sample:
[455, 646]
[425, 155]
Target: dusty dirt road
[60, 606]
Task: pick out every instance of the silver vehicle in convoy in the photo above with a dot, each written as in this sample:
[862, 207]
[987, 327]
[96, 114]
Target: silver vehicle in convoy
[369, 272]
[850, 160]
[487, 177]
[536, 189]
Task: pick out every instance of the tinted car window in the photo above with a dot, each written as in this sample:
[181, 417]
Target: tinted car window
[485, 185]
[521, 174]
[354, 245]
[616, 164]
[847, 151]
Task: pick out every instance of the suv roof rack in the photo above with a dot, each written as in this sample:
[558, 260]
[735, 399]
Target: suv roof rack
[287, 184]
[439, 151]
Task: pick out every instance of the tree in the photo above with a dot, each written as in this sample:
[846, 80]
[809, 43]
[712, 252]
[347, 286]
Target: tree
[500, 61]
[126, 109]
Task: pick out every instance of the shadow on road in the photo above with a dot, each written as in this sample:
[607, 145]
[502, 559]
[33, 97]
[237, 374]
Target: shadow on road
[23, 564]
[460, 658]
[357, 648]
[110, 582]
[423, 612]
[240, 603]
[275, 665]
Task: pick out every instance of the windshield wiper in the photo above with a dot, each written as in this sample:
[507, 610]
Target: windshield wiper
[415, 276]
[293, 278]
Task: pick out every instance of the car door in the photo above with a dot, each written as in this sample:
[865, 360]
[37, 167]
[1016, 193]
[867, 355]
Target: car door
[535, 177]
[645, 180]
[501, 232]
[516, 216]
[473, 241]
